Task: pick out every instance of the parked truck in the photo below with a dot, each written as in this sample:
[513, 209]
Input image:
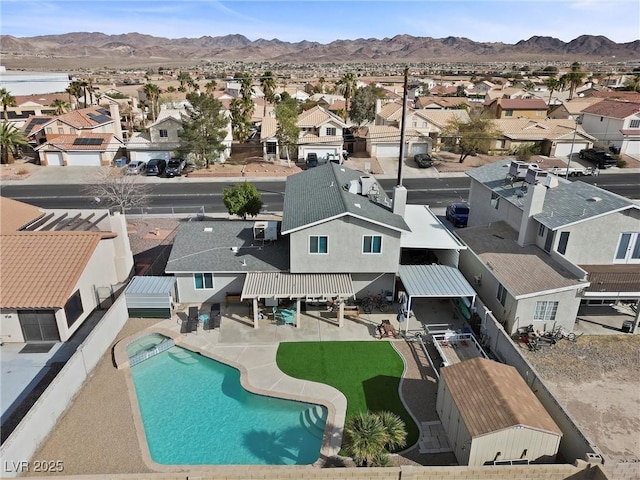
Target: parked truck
[572, 171]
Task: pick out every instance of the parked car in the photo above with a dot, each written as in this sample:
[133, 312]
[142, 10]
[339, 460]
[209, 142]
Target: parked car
[312, 160]
[601, 158]
[135, 168]
[458, 214]
[156, 166]
[175, 167]
[423, 160]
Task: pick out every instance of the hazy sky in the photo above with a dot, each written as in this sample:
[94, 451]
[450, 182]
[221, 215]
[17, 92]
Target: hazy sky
[498, 21]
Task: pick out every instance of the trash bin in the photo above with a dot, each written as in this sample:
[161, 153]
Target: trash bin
[121, 162]
[627, 325]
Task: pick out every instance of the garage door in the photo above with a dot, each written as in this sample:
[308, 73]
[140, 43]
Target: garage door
[321, 152]
[563, 149]
[418, 148]
[83, 159]
[383, 151]
[54, 158]
[146, 156]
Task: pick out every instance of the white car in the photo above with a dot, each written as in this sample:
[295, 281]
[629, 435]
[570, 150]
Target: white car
[135, 168]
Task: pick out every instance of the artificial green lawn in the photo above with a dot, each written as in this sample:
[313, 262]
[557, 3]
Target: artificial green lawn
[367, 373]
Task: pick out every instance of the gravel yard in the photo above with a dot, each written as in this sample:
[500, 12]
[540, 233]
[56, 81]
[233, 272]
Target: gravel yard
[596, 380]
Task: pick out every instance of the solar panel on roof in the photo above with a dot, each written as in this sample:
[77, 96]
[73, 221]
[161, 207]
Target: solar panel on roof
[34, 123]
[87, 141]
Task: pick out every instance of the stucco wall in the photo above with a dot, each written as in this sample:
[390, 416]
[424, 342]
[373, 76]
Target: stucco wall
[345, 236]
[222, 284]
[483, 211]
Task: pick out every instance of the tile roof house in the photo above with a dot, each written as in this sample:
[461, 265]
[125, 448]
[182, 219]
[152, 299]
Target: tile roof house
[491, 416]
[573, 108]
[614, 123]
[441, 103]
[538, 247]
[516, 108]
[320, 133]
[53, 267]
[553, 137]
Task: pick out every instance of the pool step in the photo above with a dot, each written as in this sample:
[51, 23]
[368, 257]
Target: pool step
[314, 420]
[151, 352]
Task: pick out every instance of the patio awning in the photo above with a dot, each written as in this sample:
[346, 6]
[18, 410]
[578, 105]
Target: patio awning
[440, 281]
[297, 285]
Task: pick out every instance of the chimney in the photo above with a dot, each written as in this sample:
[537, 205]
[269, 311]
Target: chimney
[533, 203]
[378, 105]
[399, 199]
[114, 112]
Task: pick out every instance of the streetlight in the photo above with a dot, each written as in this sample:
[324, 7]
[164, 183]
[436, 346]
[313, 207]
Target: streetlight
[573, 142]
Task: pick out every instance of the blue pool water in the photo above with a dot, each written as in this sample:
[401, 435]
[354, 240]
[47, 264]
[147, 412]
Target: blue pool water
[144, 343]
[195, 412]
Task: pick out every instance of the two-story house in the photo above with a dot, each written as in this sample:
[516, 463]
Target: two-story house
[320, 133]
[538, 249]
[614, 123]
[517, 108]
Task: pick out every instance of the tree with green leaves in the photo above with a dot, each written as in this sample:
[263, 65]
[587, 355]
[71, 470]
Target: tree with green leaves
[7, 100]
[186, 82]
[474, 136]
[243, 199]
[59, 106]
[553, 84]
[152, 92]
[574, 78]
[11, 138]
[369, 435]
[242, 108]
[268, 85]
[204, 128]
[210, 87]
[287, 131]
[363, 106]
[632, 83]
[75, 90]
[347, 85]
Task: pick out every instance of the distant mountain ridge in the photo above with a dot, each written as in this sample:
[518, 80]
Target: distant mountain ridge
[238, 47]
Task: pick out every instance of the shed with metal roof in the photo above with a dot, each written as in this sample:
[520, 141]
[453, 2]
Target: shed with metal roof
[491, 416]
[151, 297]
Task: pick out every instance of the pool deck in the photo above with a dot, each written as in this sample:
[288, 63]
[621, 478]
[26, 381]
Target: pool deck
[253, 351]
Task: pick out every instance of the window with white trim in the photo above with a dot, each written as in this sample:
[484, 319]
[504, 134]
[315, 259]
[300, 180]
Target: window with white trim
[331, 131]
[562, 243]
[545, 311]
[634, 124]
[318, 244]
[541, 230]
[502, 294]
[164, 133]
[372, 244]
[628, 250]
[203, 281]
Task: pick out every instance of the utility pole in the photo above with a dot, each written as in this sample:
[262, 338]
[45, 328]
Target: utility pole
[402, 125]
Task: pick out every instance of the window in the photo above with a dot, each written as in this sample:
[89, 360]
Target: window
[562, 244]
[49, 130]
[61, 131]
[271, 148]
[502, 294]
[634, 124]
[318, 244]
[203, 281]
[545, 311]
[164, 133]
[73, 308]
[601, 118]
[628, 250]
[331, 131]
[539, 113]
[541, 230]
[372, 244]
[508, 113]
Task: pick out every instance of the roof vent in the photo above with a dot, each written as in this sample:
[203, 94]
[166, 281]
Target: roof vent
[594, 199]
[208, 229]
[357, 205]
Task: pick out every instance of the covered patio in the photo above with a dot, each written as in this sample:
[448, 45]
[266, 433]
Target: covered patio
[271, 287]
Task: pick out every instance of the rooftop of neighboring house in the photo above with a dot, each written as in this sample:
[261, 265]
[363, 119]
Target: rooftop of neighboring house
[16, 215]
[40, 99]
[614, 108]
[440, 102]
[225, 246]
[577, 105]
[321, 194]
[492, 397]
[317, 116]
[389, 133]
[88, 141]
[443, 90]
[268, 128]
[520, 103]
[40, 269]
[617, 95]
[440, 118]
[504, 92]
[85, 118]
[522, 270]
[529, 129]
[391, 111]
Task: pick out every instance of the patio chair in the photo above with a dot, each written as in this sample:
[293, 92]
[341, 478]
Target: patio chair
[289, 318]
[277, 315]
[386, 330]
[192, 320]
[214, 316]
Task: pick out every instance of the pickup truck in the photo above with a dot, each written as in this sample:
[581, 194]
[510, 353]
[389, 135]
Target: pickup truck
[601, 158]
[573, 171]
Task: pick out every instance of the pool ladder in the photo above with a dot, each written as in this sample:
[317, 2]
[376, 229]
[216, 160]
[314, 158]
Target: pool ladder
[151, 352]
[314, 420]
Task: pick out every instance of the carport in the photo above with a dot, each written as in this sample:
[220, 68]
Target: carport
[298, 286]
[434, 281]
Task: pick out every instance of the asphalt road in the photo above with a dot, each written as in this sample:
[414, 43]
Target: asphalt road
[181, 198]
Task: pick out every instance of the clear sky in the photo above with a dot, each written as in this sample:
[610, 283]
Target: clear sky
[324, 21]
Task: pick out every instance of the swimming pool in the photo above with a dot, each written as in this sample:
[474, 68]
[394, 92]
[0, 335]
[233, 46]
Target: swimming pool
[143, 343]
[196, 412]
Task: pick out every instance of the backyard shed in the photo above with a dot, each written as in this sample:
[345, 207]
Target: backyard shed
[150, 297]
[491, 416]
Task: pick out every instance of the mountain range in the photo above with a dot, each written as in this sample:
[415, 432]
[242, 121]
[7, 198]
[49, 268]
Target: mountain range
[401, 48]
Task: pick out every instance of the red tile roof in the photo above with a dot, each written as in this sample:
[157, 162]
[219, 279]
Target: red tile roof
[15, 215]
[522, 104]
[614, 108]
[41, 269]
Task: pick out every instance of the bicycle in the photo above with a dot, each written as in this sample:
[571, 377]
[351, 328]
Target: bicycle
[376, 301]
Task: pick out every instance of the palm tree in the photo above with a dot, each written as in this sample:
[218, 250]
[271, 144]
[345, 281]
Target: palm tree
[185, 81]
[552, 84]
[8, 100]
[60, 106]
[152, 92]
[633, 83]
[574, 78]
[364, 437]
[268, 85]
[210, 87]
[348, 87]
[74, 90]
[10, 139]
[394, 429]
[322, 81]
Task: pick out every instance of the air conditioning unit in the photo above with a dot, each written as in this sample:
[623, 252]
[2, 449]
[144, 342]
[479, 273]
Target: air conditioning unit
[265, 231]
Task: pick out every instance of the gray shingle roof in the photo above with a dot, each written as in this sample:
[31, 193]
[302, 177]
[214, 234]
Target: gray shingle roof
[565, 204]
[576, 202]
[198, 249]
[319, 194]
